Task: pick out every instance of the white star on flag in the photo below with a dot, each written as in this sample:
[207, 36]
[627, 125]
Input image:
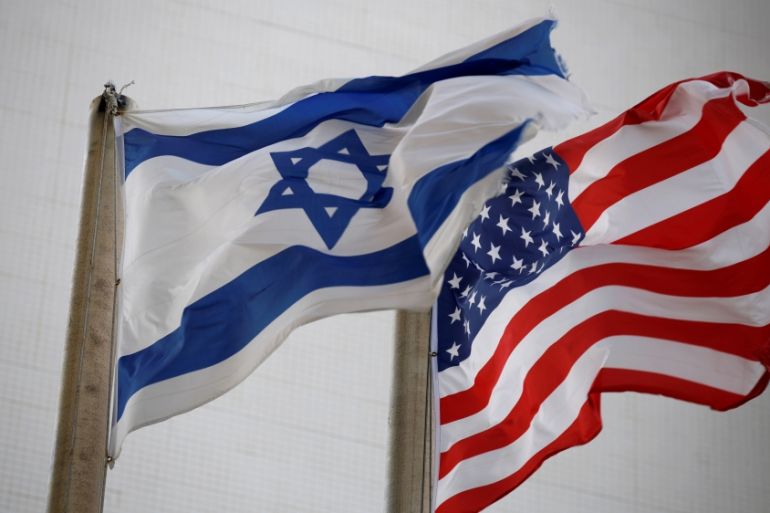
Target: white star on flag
[494, 252]
[549, 190]
[543, 248]
[481, 306]
[552, 161]
[526, 237]
[534, 209]
[515, 173]
[453, 351]
[455, 281]
[539, 180]
[503, 225]
[484, 215]
[516, 197]
[476, 242]
[557, 231]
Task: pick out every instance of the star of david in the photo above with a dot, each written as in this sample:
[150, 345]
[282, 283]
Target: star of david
[330, 214]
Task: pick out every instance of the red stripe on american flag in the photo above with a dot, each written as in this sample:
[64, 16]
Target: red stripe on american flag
[573, 150]
[700, 223]
[625, 380]
[698, 145]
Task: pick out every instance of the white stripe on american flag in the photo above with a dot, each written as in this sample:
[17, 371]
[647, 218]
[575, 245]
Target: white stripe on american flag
[684, 311]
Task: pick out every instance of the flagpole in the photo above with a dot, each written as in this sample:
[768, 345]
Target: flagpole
[80, 455]
[410, 465]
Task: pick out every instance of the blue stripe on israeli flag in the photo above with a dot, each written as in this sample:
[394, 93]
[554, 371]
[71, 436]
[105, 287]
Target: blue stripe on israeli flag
[245, 222]
[386, 100]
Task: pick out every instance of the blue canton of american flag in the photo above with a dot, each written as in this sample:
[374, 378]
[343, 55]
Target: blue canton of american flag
[518, 235]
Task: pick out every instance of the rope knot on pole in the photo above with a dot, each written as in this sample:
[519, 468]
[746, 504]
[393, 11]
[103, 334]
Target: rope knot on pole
[114, 100]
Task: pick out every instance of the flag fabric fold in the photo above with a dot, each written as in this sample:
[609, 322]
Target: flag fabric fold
[348, 195]
[635, 257]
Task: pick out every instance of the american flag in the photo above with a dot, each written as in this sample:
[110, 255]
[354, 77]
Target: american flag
[633, 257]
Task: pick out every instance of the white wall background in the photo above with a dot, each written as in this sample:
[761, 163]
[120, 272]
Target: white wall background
[308, 431]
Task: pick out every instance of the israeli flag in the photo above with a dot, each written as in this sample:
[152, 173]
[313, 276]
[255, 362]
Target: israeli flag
[347, 195]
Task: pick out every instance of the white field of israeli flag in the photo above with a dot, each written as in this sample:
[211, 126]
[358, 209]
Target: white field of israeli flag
[245, 222]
